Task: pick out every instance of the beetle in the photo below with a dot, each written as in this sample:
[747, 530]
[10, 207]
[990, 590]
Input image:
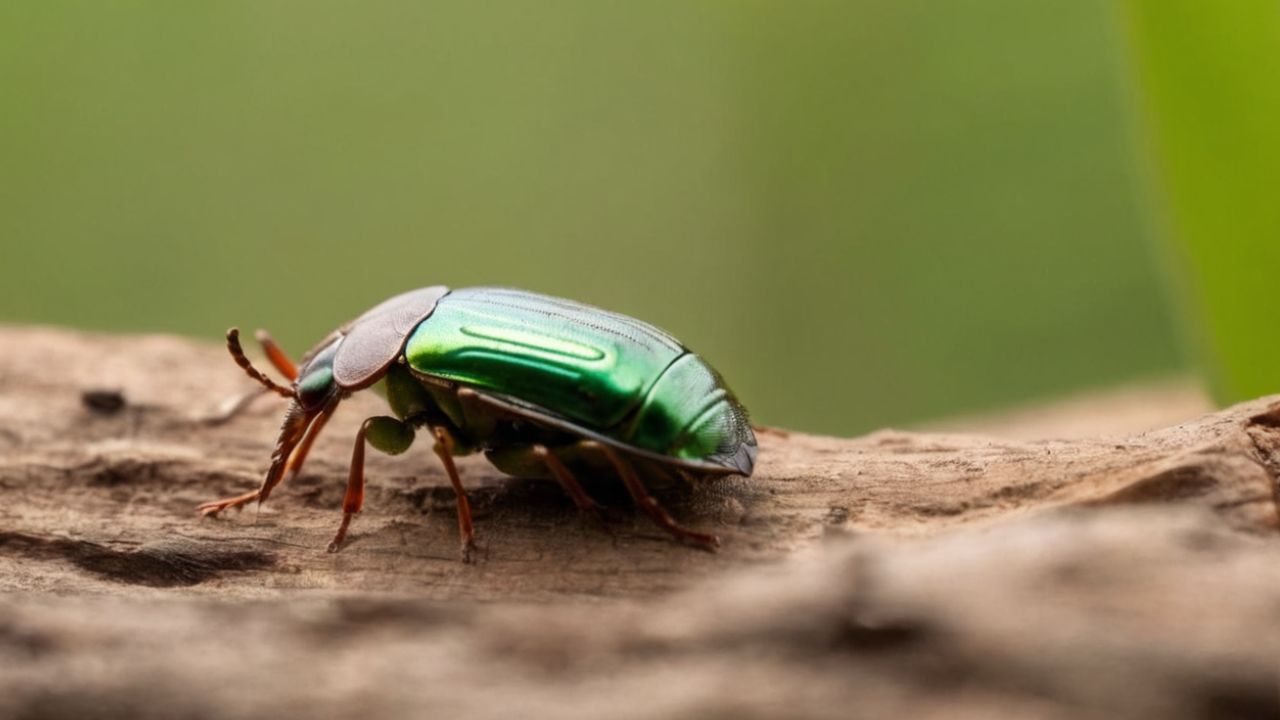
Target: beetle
[544, 387]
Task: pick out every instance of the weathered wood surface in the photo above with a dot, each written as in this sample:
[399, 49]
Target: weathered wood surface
[927, 575]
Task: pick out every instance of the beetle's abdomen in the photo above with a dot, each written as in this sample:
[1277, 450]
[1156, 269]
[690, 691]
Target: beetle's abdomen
[575, 360]
[690, 414]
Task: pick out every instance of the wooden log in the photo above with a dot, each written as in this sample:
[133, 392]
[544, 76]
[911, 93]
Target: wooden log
[897, 573]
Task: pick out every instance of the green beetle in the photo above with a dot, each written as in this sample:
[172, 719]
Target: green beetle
[545, 387]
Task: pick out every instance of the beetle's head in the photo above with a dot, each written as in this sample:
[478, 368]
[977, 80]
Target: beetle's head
[353, 358]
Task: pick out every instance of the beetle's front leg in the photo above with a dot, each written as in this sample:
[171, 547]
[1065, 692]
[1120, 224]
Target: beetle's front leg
[386, 434]
[213, 507]
[298, 426]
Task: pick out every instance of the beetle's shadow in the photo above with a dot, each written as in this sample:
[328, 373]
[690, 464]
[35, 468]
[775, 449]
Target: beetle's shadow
[721, 499]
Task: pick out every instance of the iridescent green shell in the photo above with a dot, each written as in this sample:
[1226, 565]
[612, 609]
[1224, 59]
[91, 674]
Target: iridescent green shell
[610, 375]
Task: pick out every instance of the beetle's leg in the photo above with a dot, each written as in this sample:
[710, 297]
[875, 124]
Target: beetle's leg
[212, 508]
[354, 497]
[386, 434]
[296, 424]
[570, 484]
[688, 477]
[444, 450]
[233, 406]
[769, 430]
[299, 455]
[641, 495]
[297, 421]
[276, 355]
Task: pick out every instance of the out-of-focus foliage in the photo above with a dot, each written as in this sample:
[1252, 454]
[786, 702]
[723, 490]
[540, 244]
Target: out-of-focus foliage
[863, 213]
[1209, 76]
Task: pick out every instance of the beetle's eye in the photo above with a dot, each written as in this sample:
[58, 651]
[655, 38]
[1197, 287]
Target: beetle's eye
[315, 382]
[315, 386]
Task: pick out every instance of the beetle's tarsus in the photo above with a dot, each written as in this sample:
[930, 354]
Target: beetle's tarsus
[213, 507]
[469, 551]
[770, 430]
[233, 406]
[710, 543]
[341, 535]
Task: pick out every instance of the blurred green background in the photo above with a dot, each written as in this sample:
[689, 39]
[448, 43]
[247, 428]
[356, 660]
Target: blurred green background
[864, 213]
[1207, 95]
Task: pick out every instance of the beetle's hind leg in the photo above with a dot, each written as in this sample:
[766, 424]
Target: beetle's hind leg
[640, 494]
[571, 486]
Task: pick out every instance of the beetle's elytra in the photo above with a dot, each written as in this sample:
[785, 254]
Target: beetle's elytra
[543, 386]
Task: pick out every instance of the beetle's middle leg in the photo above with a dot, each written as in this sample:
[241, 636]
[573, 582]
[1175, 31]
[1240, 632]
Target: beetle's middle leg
[444, 447]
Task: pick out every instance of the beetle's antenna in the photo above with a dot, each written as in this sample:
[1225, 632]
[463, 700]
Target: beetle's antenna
[237, 353]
